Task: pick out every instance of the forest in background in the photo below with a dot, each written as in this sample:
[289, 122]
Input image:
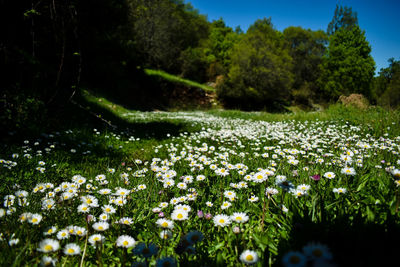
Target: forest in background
[50, 50]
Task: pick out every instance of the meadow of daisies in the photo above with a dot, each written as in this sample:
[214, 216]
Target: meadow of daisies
[216, 190]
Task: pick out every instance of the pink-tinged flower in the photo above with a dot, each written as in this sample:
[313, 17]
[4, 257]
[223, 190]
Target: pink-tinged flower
[316, 177]
[208, 216]
[200, 214]
[161, 214]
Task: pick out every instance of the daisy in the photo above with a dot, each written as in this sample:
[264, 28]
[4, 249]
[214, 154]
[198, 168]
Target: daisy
[104, 217]
[72, 249]
[145, 250]
[51, 230]
[62, 234]
[100, 226]
[248, 257]
[48, 245]
[182, 185]
[79, 231]
[165, 234]
[209, 204]
[294, 258]
[317, 251]
[194, 237]
[339, 190]
[125, 241]
[96, 239]
[126, 221]
[269, 191]
[166, 261]
[253, 199]
[329, 175]
[348, 171]
[108, 209]
[221, 220]
[239, 217]
[179, 215]
[83, 208]
[164, 223]
[186, 208]
[226, 204]
[48, 261]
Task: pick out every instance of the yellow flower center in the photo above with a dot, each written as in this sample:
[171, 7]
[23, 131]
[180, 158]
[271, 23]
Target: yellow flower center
[294, 259]
[125, 243]
[48, 247]
[100, 227]
[249, 257]
[70, 250]
[221, 221]
[164, 224]
[34, 220]
[317, 253]
[180, 216]
[238, 218]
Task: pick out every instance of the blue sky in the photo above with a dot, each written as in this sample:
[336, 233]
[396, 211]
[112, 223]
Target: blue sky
[379, 18]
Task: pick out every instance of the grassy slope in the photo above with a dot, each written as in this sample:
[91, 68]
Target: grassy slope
[176, 79]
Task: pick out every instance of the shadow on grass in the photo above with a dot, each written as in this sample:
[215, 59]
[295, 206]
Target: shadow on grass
[352, 241]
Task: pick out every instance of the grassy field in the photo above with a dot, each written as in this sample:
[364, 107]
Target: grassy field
[215, 188]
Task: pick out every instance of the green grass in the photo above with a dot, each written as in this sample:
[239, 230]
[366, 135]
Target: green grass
[358, 227]
[179, 80]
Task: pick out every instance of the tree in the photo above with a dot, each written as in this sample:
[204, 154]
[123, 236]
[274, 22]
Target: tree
[259, 75]
[344, 17]
[387, 85]
[307, 49]
[164, 29]
[348, 66]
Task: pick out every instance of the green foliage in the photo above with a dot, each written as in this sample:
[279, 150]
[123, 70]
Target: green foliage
[348, 66]
[344, 17]
[259, 75]
[163, 29]
[385, 90]
[307, 49]
[218, 47]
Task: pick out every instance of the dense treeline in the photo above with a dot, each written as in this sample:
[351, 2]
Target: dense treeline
[49, 49]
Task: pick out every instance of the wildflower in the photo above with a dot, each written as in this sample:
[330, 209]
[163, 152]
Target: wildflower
[125, 221]
[165, 234]
[51, 230]
[141, 187]
[339, 190]
[164, 223]
[96, 239]
[63, 234]
[225, 205]
[329, 175]
[48, 261]
[48, 245]
[194, 237]
[209, 204]
[348, 171]
[248, 257]
[13, 242]
[182, 185]
[100, 226]
[35, 218]
[269, 191]
[145, 251]
[166, 261]
[222, 220]
[104, 217]
[125, 241]
[294, 258]
[108, 209]
[25, 216]
[317, 251]
[179, 215]
[239, 217]
[253, 199]
[83, 208]
[72, 249]
[79, 231]
[316, 177]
